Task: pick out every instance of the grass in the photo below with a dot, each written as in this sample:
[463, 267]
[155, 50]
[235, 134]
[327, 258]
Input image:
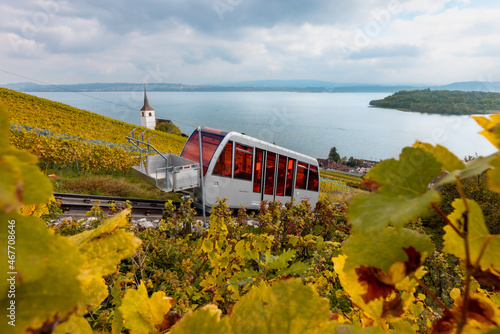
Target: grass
[68, 181]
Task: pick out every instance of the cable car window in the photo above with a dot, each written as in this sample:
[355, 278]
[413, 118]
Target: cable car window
[301, 175]
[289, 177]
[270, 166]
[243, 162]
[280, 188]
[223, 165]
[257, 170]
[313, 183]
[209, 142]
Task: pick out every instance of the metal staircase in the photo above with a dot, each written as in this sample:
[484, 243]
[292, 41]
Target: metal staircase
[168, 172]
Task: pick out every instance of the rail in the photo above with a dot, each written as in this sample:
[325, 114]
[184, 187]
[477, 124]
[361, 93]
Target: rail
[78, 205]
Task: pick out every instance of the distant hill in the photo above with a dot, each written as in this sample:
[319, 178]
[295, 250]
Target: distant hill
[286, 83]
[443, 102]
[472, 86]
[251, 86]
[244, 86]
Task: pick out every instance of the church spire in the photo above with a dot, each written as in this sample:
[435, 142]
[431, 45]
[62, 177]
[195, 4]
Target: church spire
[148, 118]
[146, 106]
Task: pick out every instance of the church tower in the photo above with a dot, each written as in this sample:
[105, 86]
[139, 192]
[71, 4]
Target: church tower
[148, 118]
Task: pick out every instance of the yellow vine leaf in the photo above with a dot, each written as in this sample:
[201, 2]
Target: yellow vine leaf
[482, 315]
[481, 242]
[287, 306]
[111, 224]
[455, 293]
[347, 329]
[144, 315]
[35, 210]
[491, 128]
[449, 161]
[494, 174]
[351, 285]
[383, 296]
[102, 249]
[21, 181]
[207, 246]
[206, 320]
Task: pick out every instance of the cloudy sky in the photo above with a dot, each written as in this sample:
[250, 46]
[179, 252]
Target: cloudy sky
[211, 41]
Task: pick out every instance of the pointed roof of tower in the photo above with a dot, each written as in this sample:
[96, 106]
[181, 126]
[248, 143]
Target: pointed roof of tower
[146, 106]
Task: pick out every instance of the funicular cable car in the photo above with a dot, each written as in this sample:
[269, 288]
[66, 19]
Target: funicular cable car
[243, 169]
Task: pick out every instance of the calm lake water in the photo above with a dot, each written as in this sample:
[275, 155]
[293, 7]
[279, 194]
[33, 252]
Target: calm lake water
[309, 123]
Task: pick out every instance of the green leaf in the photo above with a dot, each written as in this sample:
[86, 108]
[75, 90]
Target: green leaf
[47, 268]
[383, 248]
[402, 327]
[205, 320]
[117, 323]
[246, 280]
[75, 325]
[402, 192]
[449, 161]
[262, 310]
[23, 156]
[4, 130]
[36, 186]
[278, 262]
[478, 237]
[10, 184]
[142, 314]
[297, 268]
[473, 168]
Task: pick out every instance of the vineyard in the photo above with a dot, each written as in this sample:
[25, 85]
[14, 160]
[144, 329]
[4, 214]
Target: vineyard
[365, 267]
[341, 176]
[53, 152]
[336, 182]
[41, 113]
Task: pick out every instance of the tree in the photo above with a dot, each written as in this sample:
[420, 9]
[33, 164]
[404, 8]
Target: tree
[334, 155]
[169, 128]
[353, 162]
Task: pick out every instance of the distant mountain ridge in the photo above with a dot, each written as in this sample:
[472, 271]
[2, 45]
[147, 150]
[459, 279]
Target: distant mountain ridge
[249, 86]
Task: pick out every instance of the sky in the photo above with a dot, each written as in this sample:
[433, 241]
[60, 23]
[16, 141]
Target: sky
[431, 42]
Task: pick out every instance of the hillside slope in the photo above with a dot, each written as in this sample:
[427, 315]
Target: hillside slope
[41, 113]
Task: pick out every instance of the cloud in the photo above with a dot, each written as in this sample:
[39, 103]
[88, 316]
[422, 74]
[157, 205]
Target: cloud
[388, 51]
[205, 41]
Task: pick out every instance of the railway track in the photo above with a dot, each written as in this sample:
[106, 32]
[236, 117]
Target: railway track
[76, 205]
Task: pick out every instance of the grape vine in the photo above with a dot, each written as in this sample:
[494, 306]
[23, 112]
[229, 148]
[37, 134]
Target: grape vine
[360, 269]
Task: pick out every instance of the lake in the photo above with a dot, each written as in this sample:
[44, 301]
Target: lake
[309, 123]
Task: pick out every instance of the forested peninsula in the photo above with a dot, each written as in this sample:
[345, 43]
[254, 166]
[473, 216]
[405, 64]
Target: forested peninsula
[444, 102]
